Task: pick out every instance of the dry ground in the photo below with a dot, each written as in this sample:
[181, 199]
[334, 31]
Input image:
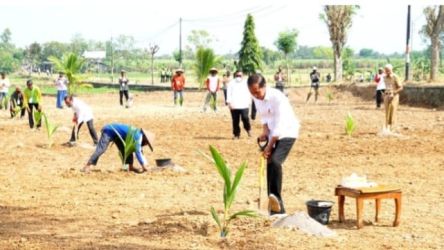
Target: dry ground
[46, 203]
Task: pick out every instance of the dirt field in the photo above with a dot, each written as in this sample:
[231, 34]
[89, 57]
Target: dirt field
[46, 203]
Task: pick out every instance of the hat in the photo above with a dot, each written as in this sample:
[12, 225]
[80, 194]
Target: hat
[389, 66]
[179, 70]
[314, 68]
[213, 70]
[122, 71]
[147, 138]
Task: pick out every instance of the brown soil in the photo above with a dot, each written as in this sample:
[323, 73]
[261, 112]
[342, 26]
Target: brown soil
[46, 203]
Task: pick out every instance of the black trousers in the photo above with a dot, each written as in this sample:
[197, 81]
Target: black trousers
[123, 93]
[253, 110]
[274, 168]
[92, 131]
[280, 87]
[379, 97]
[225, 95]
[236, 116]
[32, 108]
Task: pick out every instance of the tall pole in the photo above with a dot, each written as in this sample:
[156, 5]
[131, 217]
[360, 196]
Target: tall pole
[407, 48]
[112, 61]
[180, 42]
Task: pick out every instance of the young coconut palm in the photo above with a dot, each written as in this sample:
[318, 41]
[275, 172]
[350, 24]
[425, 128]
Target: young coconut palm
[205, 60]
[350, 125]
[50, 128]
[230, 189]
[70, 64]
[129, 145]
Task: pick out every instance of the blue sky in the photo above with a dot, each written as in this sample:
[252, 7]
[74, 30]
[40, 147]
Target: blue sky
[379, 25]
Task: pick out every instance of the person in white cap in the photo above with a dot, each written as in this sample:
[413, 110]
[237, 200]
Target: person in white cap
[117, 133]
[315, 79]
[393, 87]
[213, 85]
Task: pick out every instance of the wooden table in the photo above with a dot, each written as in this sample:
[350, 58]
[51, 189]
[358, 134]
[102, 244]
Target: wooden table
[377, 193]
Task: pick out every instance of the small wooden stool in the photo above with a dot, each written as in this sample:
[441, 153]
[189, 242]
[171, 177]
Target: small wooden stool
[377, 193]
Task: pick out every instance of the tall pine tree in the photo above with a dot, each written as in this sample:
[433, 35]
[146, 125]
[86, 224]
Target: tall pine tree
[250, 54]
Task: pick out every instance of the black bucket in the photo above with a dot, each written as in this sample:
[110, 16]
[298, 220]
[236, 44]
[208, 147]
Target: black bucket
[319, 210]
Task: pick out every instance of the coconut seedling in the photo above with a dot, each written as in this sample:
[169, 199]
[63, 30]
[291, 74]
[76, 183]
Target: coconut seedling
[230, 189]
[16, 109]
[329, 97]
[350, 125]
[51, 128]
[129, 145]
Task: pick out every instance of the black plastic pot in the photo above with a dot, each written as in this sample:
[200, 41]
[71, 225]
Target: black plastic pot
[319, 210]
[163, 162]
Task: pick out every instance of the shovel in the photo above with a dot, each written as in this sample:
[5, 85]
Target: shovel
[262, 145]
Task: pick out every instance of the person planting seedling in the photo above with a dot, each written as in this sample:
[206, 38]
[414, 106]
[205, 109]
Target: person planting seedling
[31, 101]
[82, 113]
[16, 103]
[129, 141]
[281, 128]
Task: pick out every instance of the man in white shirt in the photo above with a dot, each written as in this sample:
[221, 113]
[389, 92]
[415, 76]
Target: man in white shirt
[82, 113]
[62, 89]
[280, 128]
[238, 100]
[212, 83]
[4, 88]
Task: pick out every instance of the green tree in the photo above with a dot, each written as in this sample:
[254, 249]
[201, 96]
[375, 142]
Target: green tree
[55, 49]
[368, 53]
[433, 29]
[347, 62]
[250, 54]
[78, 44]
[71, 64]
[322, 52]
[205, 60]
[199, 38]
[339, 20]
[5, 37]
[286, 43]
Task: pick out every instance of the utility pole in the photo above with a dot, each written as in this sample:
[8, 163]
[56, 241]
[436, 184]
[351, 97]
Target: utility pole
[153, 50]
[407, 48]
[180, 42]
[112, 60]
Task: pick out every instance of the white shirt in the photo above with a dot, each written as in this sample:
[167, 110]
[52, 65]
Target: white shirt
[238, 95]
[212, 85]
[381, 83]
[61, 83]
[275, 111]
[82, 110]
[4, 85]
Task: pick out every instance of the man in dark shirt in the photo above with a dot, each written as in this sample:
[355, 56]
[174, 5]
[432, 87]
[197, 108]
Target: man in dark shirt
[315, 80]
[17, 103]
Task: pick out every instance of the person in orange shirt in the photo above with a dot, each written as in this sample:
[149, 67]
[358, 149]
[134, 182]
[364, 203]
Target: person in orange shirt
[177, 85]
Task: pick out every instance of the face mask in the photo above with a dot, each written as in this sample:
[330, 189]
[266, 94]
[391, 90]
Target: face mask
[238, 79]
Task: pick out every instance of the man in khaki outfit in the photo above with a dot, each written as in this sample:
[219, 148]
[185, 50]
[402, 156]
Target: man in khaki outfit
[391, 96]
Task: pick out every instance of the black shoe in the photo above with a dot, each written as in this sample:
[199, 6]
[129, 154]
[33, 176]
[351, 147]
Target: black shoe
[236, 137]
